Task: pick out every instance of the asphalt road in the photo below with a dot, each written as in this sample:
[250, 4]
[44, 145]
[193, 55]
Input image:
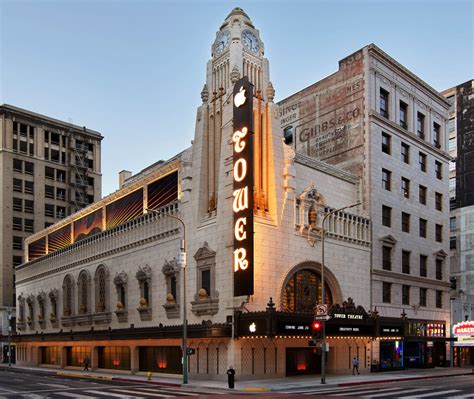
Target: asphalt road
[447, 387]
[22, 384]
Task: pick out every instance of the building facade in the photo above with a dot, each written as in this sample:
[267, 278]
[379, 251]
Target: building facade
[50, 169]
[110, 274]
[461, 127]
[379, 121]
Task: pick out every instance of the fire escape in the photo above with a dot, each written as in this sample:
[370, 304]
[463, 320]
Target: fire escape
[78, 177]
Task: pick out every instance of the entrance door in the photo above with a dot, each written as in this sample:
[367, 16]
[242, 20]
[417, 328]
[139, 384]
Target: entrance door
[301, 361]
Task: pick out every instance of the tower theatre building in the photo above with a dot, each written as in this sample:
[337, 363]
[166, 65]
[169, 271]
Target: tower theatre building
[107, 282]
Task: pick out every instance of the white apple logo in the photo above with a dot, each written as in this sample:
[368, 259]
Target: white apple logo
[252, 327]
[240, 97]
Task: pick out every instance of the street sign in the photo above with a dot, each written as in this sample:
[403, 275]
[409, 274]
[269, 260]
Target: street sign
[321, 310]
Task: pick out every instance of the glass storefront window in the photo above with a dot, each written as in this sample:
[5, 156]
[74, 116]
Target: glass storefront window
[77, 354]
[160, 359]
[114, 357]
[391, 355]
[51, 355]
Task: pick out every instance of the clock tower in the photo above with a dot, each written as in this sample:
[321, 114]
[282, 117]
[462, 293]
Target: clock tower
[237, 51]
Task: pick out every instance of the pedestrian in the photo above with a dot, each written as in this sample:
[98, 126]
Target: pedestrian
[230, 377]
[355, 366]
[86, 363]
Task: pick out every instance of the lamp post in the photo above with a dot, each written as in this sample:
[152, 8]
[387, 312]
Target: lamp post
[182, 263]
[323, 291]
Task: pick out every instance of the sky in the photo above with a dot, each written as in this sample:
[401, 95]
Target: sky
[134, 69]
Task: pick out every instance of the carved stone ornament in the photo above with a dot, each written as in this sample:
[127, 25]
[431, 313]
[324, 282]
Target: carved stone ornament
[41, 297]
[204, 93]
[121, 279]
[234, 75]
[204, 252]
[347, 307]
[53, 294]
[144, 273]
[170, 268]
[270, 92]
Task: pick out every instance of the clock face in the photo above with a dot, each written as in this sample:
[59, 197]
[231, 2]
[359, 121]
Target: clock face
[250, 41]
[222, 42]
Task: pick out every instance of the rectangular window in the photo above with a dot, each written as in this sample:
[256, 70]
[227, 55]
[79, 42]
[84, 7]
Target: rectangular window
[439, 269]
[17, 242]
[49, 173]
[422, 161]
[18, 165]
[61, 194]
[452, 243]
[49, 191]
[439, 170]
[386, 258]
[18, 204]
[423, 292]
[60, 212]
[29, 225]
[452, 165]
[452, 223]
[386, 143]
[17, 224]
[17, 260]
[29, 187]
[18, 185]
[439, 201]
[452, 125]
[29, 206]
[60, 175]
[405, 152]
[386, 216]
[439, 299]
[206, 280]
[405, 222]
[406, 262]
[452, 184]
[386, 179]
[29, 168]
[49, 210]
[420, 125]
[423, 265]
[439, 232]
[452, 144]
[405, 294]
[405, 187]
[386, 292]
[403, 114]
[436, 135]
[384, 103]
[423, 224]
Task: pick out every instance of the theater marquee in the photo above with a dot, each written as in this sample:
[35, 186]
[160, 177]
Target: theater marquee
[242, 204]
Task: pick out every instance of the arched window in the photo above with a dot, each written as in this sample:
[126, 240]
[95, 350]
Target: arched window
[303, 291]
[67, 296]
[101, 289]
[83, 284]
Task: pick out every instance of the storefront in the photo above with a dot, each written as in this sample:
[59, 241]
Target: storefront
[391, 334]
[464, 344]
[425, 344]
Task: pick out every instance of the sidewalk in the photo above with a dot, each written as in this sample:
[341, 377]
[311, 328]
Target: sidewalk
[281, 384]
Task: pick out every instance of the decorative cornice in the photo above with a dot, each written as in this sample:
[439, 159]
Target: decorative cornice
[409, 277]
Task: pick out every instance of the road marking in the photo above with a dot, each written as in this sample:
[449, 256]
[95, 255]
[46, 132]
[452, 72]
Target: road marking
[115, 395]
[180, 392]
[144, 393]
[358, 391]
[402, 391]
[60, 386]
[17, 379]
[7, 390]
[74, 395]
[430, 394]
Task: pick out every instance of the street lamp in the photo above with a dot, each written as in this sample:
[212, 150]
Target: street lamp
[323, 291]
[182, 263]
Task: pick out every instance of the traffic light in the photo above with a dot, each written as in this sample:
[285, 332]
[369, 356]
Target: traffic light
[317, 329]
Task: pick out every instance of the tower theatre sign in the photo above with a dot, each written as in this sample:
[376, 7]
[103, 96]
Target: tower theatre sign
[242, 204]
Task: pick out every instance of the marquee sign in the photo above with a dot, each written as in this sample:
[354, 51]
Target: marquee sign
[465, 328]
[242, 203]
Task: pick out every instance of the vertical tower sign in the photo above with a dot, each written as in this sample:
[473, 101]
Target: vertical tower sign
[242, 204]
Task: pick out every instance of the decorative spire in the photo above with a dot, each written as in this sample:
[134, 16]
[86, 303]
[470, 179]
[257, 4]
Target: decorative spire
[270, 92]
[234, 75]
[204, 94]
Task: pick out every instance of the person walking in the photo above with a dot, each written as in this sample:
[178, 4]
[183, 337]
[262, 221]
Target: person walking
[86, 363]
[355, 366]
[231, 377]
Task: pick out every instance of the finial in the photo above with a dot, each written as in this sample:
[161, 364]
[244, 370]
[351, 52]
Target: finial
[204, 94]
[234, 75]
[271, 305]
[270, 92]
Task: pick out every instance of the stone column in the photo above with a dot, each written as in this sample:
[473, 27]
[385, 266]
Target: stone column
[94, 358]
[63, 357]
[134, 359]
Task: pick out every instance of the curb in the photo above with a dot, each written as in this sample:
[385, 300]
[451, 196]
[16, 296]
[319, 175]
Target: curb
[427, 377]
[166, 384]
[79, 375]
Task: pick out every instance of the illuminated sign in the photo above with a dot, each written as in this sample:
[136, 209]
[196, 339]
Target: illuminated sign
[242, 203]
[465, 328]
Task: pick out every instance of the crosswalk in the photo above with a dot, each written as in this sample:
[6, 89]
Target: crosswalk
[393, 392]
[124, 392]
